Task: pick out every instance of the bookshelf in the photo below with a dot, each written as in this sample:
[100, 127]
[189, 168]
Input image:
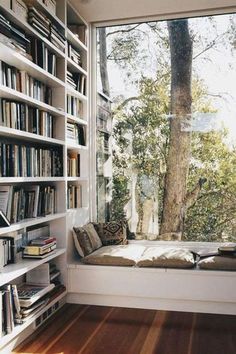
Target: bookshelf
[64, 72]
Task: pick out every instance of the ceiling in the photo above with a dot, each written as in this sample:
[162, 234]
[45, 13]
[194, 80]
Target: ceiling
[120, 10]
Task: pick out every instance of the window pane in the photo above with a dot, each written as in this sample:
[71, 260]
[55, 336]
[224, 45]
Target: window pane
[166, 128]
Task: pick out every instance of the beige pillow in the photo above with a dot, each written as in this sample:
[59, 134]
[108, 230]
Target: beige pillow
[119, 255]
[86, 239]
[166, 258]
[218, 263]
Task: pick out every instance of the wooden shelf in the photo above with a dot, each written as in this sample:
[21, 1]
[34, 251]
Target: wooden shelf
[12, 16]
[6, 92]
[30, 222]
[9, 180]
[75, 68]
[74, 40]
[13, 271]
[76, 119]
[20, 134]
[11, 57]
[20, 328]
[72, 92]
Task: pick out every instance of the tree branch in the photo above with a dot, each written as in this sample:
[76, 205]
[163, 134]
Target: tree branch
[123, 31]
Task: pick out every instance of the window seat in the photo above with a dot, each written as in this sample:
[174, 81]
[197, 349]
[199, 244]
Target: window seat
[191, 290]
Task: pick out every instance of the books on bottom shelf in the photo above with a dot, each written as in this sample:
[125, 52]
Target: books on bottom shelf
[19, 303]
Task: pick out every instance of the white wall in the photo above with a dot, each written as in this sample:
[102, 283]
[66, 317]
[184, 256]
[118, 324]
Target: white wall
[115, 10]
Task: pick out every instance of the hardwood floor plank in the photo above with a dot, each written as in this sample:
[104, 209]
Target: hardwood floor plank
[83, 329]
[119, 332]
[51, 329]
[77, 335]
[175, 333]
[214, 334]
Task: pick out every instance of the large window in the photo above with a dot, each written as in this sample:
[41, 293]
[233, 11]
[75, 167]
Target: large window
[166, 128]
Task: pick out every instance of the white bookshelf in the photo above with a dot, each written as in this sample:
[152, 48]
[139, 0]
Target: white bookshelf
[64, 219]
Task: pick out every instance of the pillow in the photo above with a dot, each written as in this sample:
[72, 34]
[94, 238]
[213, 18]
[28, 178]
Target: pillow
[112, 233]
[218, 263]
[86, 239]
[167, 258]
[119, 255]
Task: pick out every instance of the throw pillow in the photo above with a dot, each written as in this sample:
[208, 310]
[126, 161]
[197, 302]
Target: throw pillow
[82, 238]
[93, 236]
[112, 233]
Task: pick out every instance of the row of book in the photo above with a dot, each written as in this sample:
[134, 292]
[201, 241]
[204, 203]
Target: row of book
[27, 161]
[19, 203]
[77, 81]
[21, 81]
[7, 251]
[45, 27]
[18, 115]
[74, 106]
[75, 133]
[22, 302]
[74, 196]
[73, 164]
[42, 56]
[73, 54]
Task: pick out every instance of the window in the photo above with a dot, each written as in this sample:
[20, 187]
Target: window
[166, 128]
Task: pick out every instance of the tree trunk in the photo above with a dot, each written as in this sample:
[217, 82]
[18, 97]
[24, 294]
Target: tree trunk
[179, 145]
[103, 60]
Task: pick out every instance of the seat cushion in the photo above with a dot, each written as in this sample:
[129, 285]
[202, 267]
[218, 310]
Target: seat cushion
[119, 255]
[112, 232]
[166, 258]
[218, 263]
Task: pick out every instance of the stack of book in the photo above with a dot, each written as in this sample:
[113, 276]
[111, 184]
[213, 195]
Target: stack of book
[76, 81]
[73, 164]
[75, 133]
[19, 203]
[57, 38]
[74, 106]
[27, 161]
[39, 21]
[18, 115]
[42, 56]
[74, 197]
[13, 36]
[73, 54]
[40, 247]
[20, 80]
[19, 303]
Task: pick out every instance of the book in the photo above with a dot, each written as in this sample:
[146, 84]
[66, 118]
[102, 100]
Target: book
[39, 250]
[42, 241]
[39, 256]
[4, 222]
[29, 293]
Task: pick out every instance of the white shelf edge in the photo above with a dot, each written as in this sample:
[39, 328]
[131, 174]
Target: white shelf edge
[75, 66]
[29, 136]
[30, 30]
[14, 58]
[20, 328]
[7, 180]
[7, 92]
[13, 271]
[77, 179]
[76, 119]
[31, 222]
[72, 92]
[74, 40]
[71, 146]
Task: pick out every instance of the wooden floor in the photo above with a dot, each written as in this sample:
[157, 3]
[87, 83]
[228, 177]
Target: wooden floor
[109, 330]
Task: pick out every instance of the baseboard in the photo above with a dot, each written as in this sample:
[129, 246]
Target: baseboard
[154, 304]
